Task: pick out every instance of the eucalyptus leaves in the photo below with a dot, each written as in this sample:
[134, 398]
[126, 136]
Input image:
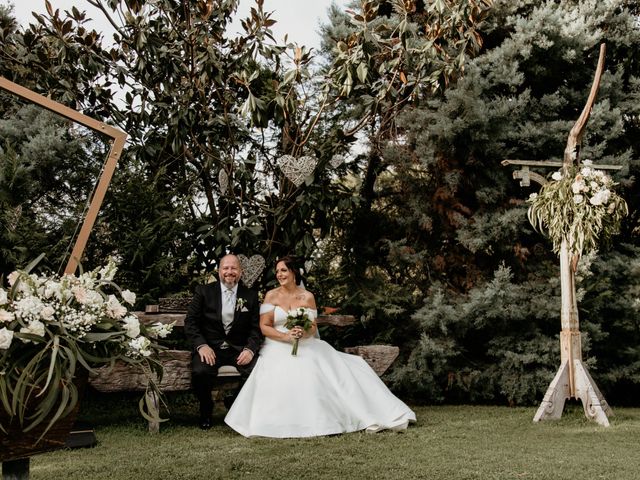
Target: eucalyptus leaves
[579, 205]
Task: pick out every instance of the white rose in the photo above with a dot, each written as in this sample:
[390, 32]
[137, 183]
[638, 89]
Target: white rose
[5, 316]
[114, 308]
[3, 296]
[6, 336]
[35, 328]
[132, 326]
[577, 186]
[47, 312]
[556, 176]
[129, 297]
[533, 196]
[53, 289]
[600, 198]
[577, 199]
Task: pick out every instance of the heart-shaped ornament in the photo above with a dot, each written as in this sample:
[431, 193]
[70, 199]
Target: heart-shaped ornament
[252, 268]
[223, 181]
[297, 169]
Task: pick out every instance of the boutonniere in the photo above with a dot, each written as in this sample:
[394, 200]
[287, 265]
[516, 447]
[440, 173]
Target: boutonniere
[241, 305]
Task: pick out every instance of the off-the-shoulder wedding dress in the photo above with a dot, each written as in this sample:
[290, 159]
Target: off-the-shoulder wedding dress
[320, 391]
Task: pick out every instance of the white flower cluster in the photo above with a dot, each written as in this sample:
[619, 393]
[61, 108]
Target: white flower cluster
[580, 207]
[160, 330]
[593, 184]
[38, 307]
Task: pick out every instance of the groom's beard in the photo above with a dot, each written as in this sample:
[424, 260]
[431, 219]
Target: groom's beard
[230, 284]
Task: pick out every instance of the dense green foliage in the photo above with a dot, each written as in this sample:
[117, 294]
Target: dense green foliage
[470, 289]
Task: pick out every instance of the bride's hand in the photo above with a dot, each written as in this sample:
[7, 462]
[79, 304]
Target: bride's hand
[291, 335]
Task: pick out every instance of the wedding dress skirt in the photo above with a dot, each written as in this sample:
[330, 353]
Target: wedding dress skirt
[318, 392]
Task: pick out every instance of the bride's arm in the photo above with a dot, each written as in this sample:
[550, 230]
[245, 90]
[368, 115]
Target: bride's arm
[268, 330]
[266, 323]
[311, 302]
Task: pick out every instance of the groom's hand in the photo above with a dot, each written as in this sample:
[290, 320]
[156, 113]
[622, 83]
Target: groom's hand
[245, 357]
[207, 355]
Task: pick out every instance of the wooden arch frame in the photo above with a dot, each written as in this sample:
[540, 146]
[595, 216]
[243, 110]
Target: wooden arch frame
[118, 139]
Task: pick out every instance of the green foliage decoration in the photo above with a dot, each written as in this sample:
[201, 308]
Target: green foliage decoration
[580, 206]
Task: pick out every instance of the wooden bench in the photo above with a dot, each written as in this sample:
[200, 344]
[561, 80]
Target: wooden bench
[177, 363]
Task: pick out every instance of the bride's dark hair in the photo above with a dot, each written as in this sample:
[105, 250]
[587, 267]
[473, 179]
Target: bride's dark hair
[292, 264]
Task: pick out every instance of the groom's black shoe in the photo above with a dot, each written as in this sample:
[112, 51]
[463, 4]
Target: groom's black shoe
[205, 423]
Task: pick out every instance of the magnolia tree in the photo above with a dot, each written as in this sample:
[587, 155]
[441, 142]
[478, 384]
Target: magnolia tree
[238, 138]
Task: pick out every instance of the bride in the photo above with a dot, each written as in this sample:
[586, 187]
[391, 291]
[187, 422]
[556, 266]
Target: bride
[319, 391]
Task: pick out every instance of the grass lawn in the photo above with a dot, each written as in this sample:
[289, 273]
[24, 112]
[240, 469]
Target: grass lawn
[448, 442]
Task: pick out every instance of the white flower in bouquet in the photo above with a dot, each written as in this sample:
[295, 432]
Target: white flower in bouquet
[600, 198]
[28, 308]
[79, 324]
[47, 312]
[160, 330]
[5, 316]
[129, 297]
[6, 336]
[114, 308]
[52, 290]
[581, 207]
[578, 186]
[12, 277]
[140, 347]
[131, 326]
[36, 327]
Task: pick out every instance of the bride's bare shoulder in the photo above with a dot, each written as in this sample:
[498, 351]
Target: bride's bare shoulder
[271, 296]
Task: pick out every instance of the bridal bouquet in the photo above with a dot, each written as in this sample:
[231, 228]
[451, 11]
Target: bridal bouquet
[580, 206]
[51, 327]
[299, 317]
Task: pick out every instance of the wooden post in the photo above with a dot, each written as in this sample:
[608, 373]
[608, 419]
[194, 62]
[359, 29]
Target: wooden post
[572, 379]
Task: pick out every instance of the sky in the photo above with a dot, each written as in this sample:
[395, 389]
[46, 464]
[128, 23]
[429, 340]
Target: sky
[299, 18]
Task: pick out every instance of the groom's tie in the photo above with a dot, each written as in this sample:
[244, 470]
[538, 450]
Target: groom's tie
[228, 297]
[228, 308]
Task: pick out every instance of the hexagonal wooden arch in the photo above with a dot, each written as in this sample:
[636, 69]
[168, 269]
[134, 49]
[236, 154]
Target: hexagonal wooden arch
[118, 139]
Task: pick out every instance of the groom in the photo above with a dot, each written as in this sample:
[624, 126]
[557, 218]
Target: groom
[223, 326]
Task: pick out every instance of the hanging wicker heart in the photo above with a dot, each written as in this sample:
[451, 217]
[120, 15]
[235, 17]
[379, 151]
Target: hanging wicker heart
[336, 160]
[297, 169]
[223, 181]
[252, 268]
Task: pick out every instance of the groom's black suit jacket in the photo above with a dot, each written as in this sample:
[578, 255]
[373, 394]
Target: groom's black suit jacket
[203, 323]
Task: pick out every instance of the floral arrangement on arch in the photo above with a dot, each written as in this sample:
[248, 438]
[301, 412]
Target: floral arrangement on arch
[580, 205]
[52, 327]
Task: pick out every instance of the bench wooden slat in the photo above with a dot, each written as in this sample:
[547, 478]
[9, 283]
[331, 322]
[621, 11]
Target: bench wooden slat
[178, 319]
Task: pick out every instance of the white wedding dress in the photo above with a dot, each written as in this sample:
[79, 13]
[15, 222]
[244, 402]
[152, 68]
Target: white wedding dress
[318, 392]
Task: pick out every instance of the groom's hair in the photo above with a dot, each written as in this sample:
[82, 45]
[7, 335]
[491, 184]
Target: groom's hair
[292, 264]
